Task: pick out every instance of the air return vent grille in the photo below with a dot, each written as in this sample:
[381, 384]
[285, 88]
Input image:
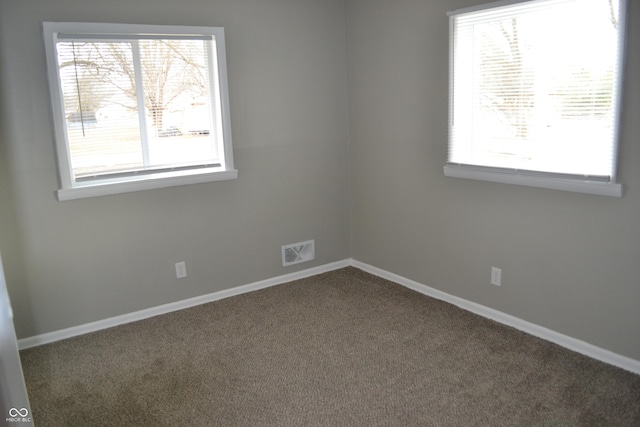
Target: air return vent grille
[298, 252]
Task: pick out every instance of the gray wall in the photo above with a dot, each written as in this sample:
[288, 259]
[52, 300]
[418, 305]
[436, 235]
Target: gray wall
[570, 262]
[91, 259]
[10, 230]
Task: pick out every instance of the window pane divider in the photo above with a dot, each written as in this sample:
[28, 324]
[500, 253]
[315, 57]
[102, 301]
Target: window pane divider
[142, 116]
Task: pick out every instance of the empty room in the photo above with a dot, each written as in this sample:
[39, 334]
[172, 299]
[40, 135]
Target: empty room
[320, 212]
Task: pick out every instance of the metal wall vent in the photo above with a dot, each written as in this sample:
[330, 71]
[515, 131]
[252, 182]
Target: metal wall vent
[298, 252]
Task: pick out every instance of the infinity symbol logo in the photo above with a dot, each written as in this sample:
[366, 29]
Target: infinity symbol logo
[23, 412]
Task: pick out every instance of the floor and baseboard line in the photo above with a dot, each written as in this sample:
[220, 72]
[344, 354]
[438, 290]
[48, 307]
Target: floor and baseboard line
[576, 345]
[50, 337]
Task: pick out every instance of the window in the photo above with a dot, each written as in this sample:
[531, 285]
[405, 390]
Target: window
[535, 93]
[138, 106]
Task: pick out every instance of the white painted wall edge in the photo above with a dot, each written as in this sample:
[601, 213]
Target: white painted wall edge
[50, 337]
[568, 342]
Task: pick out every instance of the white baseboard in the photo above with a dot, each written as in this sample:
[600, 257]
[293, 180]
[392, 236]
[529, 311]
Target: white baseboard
[50, 337]
[568, 342]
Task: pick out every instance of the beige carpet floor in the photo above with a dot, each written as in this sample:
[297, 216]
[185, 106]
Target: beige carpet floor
[343, 348]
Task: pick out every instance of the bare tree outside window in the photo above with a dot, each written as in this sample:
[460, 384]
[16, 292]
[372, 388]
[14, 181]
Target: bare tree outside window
[512, 86]
[506, 80]
[171, 70]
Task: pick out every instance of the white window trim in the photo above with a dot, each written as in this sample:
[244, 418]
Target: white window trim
[154, 182]
[71, 189]
[534, 179]
[553, 181]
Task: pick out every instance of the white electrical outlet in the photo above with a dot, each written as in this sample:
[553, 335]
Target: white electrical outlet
[181, 269]
[298, 252]
[496, 276]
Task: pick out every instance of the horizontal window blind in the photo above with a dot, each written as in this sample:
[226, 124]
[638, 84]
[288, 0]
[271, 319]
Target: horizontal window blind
[535, 87]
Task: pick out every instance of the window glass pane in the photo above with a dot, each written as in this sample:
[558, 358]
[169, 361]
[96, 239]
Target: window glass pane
[178, 102]
[137, 105]
[535, 85]
[100, 109]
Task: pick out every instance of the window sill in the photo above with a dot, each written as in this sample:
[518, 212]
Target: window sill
[554, 182]
[94, 189]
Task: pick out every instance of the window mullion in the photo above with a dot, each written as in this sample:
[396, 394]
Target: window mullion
[142, 116]
[214, 95]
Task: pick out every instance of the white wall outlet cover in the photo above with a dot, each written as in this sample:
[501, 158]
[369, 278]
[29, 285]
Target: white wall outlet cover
[181, 270]
[496, 276]
[298, 252]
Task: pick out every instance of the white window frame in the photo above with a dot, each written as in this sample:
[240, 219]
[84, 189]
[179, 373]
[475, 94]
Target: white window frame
[557, 181]
[69, 188]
